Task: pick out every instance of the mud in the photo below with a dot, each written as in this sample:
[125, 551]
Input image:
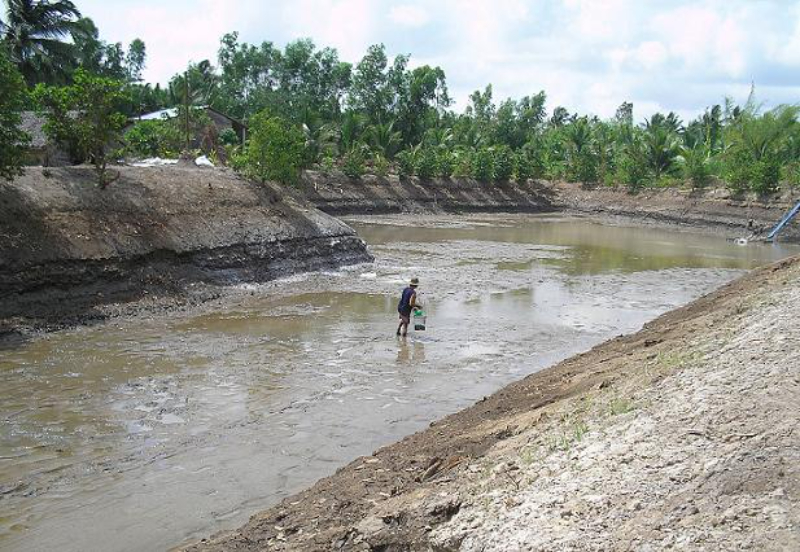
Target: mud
[693, 456]
[155, 232]
[148, 431]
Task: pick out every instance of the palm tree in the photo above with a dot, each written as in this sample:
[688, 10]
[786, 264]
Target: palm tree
[384, 139]
[34, 31]
[661, 147]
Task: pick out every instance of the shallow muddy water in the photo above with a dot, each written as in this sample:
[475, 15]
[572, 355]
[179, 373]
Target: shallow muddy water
[142, 434]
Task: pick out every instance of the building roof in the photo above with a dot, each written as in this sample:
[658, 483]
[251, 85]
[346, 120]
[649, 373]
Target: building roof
[159, 115]
[172, 112]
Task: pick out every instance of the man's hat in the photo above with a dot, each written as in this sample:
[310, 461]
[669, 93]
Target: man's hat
[414, 282]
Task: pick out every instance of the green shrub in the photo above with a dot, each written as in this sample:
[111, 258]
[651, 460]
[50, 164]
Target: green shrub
[380, 165]
[696, 166]
[354, 162]
[276, 150]
[153, 139]
[503, 163]
[445, 164]
[405, 164]
[426, 164]
[462, 163]
[482, 165]
[632, 169]
[228, 137]
[328, 163]
[523, 167]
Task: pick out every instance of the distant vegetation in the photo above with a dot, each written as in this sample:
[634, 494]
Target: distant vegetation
[379, 116]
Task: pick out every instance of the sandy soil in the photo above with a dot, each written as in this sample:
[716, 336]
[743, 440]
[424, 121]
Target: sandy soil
[682, 435]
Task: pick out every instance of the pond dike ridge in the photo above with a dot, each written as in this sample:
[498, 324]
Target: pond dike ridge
[714, 209]
[68, 247]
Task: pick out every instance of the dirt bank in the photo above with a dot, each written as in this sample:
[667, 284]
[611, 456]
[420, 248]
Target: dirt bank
[715, 209]
[339, 195]
[69, 249]
[683, 434]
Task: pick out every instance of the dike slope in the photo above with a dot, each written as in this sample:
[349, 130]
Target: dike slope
[339, 195]
[67, 247]
[683, 435]
[714, 209]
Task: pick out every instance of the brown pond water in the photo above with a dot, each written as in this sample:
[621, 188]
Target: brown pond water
[142, 434]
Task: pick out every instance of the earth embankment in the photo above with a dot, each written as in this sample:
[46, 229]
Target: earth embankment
[682, 435]
[67, 247]
[713, 209]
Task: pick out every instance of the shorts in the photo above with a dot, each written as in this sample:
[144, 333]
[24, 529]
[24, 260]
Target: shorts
[405, 318]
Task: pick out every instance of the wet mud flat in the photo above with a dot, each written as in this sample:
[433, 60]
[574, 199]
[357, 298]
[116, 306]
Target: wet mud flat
[680, 435]
[152, 431]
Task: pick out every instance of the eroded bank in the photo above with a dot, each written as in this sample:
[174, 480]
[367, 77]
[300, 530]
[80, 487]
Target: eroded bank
[69, 249]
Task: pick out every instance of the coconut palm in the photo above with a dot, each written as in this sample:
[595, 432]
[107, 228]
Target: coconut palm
[34, 32]
[384, 139]
[661, 147]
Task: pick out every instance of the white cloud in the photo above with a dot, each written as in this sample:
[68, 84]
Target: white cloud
[350, 26]
[587, 55]
[409, 16]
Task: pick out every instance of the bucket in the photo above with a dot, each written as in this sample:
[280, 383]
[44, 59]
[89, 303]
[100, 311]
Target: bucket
[419, 320]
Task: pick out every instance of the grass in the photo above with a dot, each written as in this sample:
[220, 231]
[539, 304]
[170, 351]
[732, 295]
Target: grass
[620, 406]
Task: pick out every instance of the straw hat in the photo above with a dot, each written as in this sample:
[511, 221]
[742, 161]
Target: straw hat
[414, 282]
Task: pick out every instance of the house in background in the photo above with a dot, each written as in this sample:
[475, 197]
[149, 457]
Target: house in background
[41, 151]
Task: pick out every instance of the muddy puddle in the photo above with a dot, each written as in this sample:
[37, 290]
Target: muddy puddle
[143, 434]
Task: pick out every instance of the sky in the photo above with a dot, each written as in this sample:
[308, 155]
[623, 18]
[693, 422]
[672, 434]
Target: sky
[588, 55]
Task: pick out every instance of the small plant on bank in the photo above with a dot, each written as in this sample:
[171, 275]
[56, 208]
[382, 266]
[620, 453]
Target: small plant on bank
[503, 163]
[354, 162]
[380, 165]
[619, 406]
[405, 164]
[445, 164]
[328, 164]
[482, 166]
[426, 165]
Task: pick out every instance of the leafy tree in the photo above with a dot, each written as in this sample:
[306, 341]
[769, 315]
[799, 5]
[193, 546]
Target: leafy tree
[426, 166]
[12, 101]
[632, 168]
[482, 165]
[580, 159]
[276, 150]
[503, 163]
[34, 31]
[85, 117]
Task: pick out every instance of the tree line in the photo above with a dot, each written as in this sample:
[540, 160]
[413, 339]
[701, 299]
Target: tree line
[307, 108]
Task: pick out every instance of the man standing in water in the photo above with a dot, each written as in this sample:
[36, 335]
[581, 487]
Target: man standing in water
[408, 300]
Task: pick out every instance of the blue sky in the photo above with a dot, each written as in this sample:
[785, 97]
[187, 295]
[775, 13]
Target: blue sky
[588, 55]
